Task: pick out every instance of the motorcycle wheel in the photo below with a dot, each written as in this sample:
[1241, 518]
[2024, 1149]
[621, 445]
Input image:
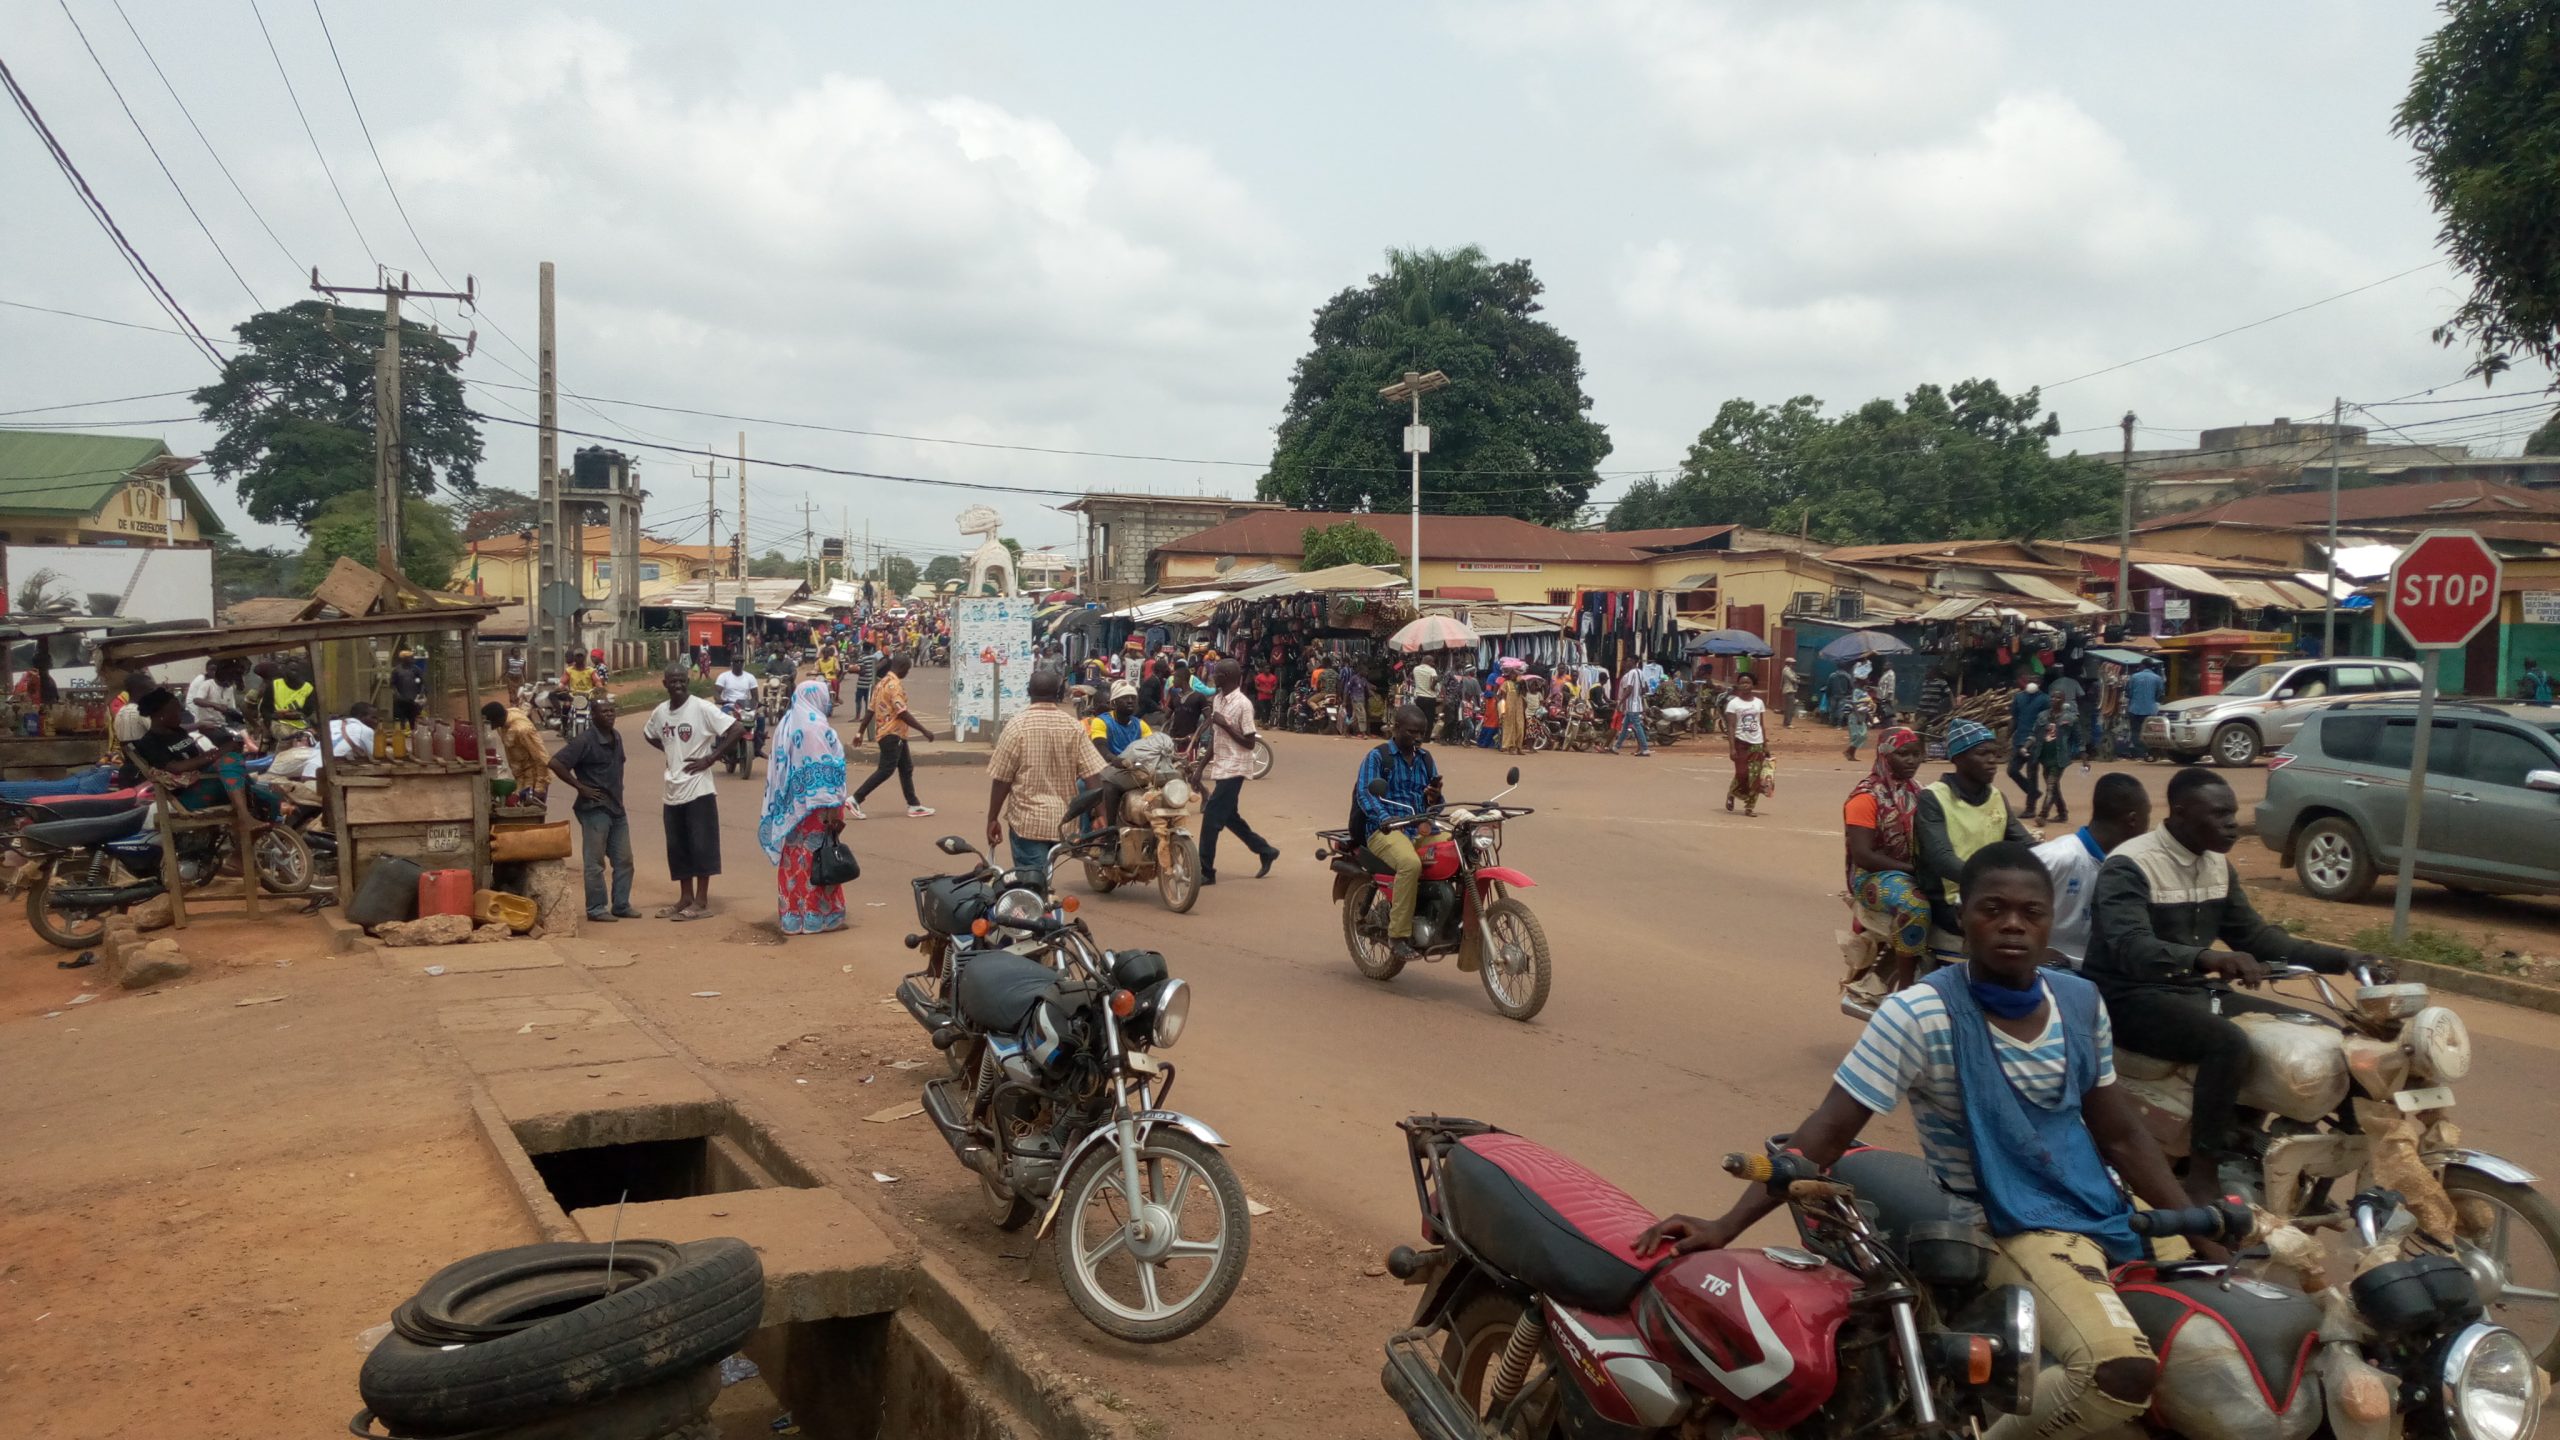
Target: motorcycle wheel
[1538, 737]
[1477, 1334]
[1515, 972]
[1374, 956]
[1212, 1239]
[284, 860]
[2523, 1239]
[1179, 882]
[1097, 879]
[1263, 759]
[60, 931]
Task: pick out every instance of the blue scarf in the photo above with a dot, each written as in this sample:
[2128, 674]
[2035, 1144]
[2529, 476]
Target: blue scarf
[2036, 1168]
[2004, 1002]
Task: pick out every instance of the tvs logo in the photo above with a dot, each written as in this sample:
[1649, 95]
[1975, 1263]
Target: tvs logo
[1716, 1285]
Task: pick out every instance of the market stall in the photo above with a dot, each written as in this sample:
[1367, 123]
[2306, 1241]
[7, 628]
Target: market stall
[42, 739]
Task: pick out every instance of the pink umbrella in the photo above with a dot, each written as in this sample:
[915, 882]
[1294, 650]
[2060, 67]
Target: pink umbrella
[1432, 632]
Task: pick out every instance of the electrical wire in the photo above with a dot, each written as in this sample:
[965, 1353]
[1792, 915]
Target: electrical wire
[98, 211]
[2236, 329]
[298, 266]
[85, 404]
[165, 173]
[102, 320]
[312, 135]
[367, 131]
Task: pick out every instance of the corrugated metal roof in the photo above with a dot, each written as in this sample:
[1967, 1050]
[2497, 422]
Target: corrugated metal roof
[2037, 587]
[1954, 607]
[1444, 537]
[2189, 579]
[1332, 577]
[48, 472]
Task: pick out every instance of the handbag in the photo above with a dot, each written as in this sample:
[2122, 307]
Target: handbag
[833, 864]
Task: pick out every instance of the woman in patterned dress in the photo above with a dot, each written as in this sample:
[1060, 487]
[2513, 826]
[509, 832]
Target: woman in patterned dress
[804, 809]
[1876, 823]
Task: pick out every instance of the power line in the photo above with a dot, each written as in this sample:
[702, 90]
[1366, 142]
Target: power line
[200, 135]
[106, 221]
[101, 319]
[367, 130]
[2236, 329]
[86, 404]
[312, 135]
[101, 424]
[165, 173]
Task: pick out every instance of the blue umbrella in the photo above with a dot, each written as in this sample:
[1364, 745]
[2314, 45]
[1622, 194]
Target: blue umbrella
[1729, 642]
[1863, 642]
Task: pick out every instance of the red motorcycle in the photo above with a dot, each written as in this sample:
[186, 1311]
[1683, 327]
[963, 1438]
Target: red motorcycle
[1463, 908]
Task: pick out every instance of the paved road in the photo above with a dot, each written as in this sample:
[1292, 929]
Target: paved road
[1693, 1008]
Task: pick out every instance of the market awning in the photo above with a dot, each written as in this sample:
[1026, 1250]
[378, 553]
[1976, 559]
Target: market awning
[2115, 656]
[1335, 577]
[1954, 607]
[2275, 595]
[1158, 609]
[2187, 578]
[2036, 587]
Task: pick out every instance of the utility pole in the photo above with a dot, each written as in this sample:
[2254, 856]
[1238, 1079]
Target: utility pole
[742, 512]
[809, 541]
[2329, 566]
[1417, 442]
[388, 453]
[2124, 537]
[711, 478]
[550, 654]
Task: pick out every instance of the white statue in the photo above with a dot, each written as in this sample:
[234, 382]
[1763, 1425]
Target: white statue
[990, 560]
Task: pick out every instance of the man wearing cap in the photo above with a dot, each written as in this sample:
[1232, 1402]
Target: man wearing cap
[1959, 814]
[1113, 731]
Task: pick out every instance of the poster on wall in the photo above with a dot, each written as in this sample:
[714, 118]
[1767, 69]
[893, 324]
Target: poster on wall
[990, 660]
[2541, 607]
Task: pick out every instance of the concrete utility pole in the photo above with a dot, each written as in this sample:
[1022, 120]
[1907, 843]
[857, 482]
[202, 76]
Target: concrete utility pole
[2124, 537]
[388, 454]
[809, 541]
[550, 644]
[1417, 443]
[711, 478]
[742, 512]
[2329, 566]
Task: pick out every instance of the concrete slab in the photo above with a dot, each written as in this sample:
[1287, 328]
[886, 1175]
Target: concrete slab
[529, 1032]
[488, 959]
[822, 1258]
[612, 1103]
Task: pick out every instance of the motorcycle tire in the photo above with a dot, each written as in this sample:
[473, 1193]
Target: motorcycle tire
[1507, 913]
[1097, 879]
[1179, 882]
[58, 931]
[285, 863]
[1263, 759]
[1100, 1167]
[2532, 1213]
[1477, 1334]
[1538, 737]
[1378, 963]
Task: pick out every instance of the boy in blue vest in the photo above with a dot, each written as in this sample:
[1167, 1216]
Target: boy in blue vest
[2010, 1070]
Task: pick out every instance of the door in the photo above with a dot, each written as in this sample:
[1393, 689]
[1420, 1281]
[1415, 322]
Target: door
[2372, 754]
[2303, 691]
[2503, 832]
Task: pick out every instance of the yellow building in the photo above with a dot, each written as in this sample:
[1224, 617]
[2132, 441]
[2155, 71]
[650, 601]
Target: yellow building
[1464, 557]
[62, 489]
[506, 566]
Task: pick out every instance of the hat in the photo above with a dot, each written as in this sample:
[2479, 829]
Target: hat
[1123, 690]
[1963, 735]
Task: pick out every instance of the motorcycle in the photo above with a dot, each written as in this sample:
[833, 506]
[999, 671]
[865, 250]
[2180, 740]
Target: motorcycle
[2367, 1089]
[741, 759]
[76, 873]
[1464, 907]
[1666, 724]
[1153, 841]
[951, 909]
[1059, 1110]
[549, 703]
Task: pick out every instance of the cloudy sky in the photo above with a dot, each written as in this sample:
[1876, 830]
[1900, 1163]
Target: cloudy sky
[1104, 227]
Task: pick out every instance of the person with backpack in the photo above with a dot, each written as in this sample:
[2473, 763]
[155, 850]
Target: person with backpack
[1397, 780]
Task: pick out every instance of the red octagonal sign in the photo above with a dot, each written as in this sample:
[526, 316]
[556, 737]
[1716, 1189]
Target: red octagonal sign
[2444, 587]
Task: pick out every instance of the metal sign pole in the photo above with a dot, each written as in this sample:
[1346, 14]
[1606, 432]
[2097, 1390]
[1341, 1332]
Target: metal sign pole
[2409, 827]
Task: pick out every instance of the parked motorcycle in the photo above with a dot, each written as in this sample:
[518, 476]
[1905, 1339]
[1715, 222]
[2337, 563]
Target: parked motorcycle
[76, 873]
[1060, 1111]
[1666, 724]
[1464, 908]
[950, 909]
[1153, 841]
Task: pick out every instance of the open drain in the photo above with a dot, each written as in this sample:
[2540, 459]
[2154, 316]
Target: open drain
[641, 1170]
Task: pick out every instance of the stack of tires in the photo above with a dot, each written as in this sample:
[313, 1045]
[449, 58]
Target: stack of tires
[545, 1342]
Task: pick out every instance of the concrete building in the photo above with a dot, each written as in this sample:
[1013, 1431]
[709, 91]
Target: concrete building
[1122, 533]
[1464, 557]
[501, 567]
[2235, 461]
[63, 489]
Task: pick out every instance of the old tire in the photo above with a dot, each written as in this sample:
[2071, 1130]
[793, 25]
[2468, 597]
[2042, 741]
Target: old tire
[2528, 1251]
[58, 930]
[1375, 958]
[1519, 994]
[2332, 862]
[574, 1341]
[671, 1409]
[2235, 746]
[1179, 881]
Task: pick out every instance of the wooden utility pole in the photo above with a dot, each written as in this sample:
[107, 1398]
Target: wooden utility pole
[388, 453]
[2124, 537]
[742, 512]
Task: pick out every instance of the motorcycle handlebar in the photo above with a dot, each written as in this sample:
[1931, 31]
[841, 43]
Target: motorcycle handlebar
[2227, 1220]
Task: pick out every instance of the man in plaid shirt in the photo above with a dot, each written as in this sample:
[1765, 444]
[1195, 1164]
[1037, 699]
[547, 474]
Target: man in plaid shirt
[1043, 755]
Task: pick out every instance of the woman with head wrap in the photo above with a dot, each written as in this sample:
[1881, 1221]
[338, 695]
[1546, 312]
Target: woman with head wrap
[804, 809]
[1877, 824]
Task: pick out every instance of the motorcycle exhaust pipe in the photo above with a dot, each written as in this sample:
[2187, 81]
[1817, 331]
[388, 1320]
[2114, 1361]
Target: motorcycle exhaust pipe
[955, 1130]
[920, 1005]
[115, 897]
[1414, 1380]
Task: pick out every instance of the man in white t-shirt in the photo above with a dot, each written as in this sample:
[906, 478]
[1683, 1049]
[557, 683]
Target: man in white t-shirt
[1426, 695]
[213, 698]
[2119, 809]
[1631, 713]
[693, 734]
[351, 736]
[735, 685]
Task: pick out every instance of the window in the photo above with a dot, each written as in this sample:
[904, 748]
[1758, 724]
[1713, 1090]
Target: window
[604, 570]
[2256, 682]
[649, 570]
[2312, 682]
[2500, 756]
[2361, 679]
[2382, 742]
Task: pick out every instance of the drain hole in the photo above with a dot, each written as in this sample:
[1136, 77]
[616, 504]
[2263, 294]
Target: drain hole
[649, 1169]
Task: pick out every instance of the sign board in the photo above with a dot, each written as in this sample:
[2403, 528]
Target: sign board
[2541, 607]
[1507, 567]
[2444, 587]
[2176, 610]
[1417, 439]
[990, 660]
[746, 607]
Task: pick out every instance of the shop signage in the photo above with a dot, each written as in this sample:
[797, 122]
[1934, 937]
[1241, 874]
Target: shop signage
[2176, 610]
[2541, 607]
[1508, 567]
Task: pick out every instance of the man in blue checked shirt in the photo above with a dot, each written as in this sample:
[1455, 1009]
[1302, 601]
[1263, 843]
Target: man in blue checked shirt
[1411, 782]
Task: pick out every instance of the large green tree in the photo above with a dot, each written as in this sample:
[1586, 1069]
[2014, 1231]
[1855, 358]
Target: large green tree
[1512, 435]
[943, 568]
[242, 572]
[490, 511]
[2481, 114]
[1348, 543]
[897, 573]
[295, 404]
[430, 546]
[1966, 461]
[2546, 439]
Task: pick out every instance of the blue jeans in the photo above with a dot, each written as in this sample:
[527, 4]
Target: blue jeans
[96, 780]
[608, 837]
[1633, 728]
[1030, 856]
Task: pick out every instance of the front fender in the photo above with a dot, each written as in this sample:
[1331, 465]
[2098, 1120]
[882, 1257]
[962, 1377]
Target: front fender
[1505, 874]
[2494, 1166]
[1146, 1120]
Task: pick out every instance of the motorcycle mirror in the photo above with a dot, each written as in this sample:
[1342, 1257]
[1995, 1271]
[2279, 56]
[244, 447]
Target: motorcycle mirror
[953, 845]
[1513, 778]
[1378, 788]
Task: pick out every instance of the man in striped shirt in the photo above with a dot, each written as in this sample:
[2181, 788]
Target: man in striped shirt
[2021, 1060]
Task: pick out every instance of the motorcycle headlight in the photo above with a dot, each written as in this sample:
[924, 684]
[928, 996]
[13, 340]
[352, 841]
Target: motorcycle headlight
[2439, 1045]
[1486, 840]
[1177, 793]
[2488, 1385]
[1018, 909]
[1171, 1011]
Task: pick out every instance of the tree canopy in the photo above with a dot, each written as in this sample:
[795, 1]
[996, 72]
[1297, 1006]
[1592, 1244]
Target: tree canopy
[295, 405]
[2546, 439]
[430, 546]
[942, 568]
[1963, 462]
[2480, 115]
[1510, 436]
[1348, 543]
[491, 511]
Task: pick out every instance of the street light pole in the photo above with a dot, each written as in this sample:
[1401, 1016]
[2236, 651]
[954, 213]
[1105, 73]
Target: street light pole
[1417, 442]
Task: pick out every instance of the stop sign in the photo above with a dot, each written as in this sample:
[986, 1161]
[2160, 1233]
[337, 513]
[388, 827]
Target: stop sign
[2444, 587]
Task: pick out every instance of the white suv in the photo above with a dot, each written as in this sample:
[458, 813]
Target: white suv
[2263, 708]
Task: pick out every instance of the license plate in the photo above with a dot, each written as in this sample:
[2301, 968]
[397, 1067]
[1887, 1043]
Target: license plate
[2434, 1097]
[445, 837]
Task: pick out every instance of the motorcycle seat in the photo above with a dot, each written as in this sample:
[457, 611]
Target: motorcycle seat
[85, 807]
[997, 989]
[1545, 1220]
[1368, 860]
[94, 830]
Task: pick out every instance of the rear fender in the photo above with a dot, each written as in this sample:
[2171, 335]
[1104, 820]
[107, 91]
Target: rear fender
[1458, 1281]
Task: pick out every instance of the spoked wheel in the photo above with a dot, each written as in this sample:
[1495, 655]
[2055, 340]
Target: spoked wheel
[284, 859]
[2513, 1230]
[1178, 874]
[1163, 1266]
[1473, 1353]
[1374, 954]
[1263, 759]
[1515, 970]
[70, 932]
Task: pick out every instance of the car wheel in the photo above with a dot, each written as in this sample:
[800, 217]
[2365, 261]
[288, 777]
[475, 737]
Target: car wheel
[2235, 745]
[2332, 860]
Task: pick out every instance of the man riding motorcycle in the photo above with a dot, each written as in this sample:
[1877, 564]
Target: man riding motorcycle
[2011, 1074]
[1411, 780]
[1959, 814]
[2161, 900]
